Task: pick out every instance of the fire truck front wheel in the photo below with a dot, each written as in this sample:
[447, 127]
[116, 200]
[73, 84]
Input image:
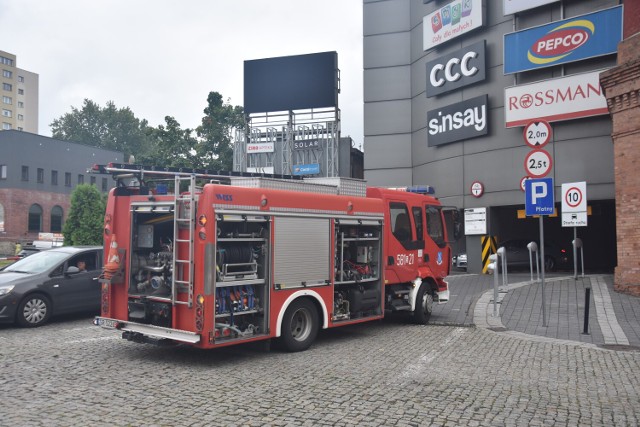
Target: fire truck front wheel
[424, 305]
[299, 325]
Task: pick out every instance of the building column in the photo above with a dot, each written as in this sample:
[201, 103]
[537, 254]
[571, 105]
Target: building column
[621, 85]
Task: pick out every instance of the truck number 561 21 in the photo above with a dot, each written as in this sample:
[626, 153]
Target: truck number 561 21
[405, 259]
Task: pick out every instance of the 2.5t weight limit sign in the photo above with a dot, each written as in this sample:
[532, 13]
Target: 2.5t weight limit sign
[538, 163]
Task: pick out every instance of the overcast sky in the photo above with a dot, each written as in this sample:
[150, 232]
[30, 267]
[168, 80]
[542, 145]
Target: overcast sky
[162, 57]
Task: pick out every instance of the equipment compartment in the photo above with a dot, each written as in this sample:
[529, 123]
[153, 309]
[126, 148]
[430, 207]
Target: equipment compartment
[242, 260]
[358, 284]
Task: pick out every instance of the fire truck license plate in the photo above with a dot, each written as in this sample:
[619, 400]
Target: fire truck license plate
[107, 323]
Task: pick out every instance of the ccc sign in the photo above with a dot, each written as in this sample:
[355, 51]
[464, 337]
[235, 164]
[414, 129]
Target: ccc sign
[456, 70]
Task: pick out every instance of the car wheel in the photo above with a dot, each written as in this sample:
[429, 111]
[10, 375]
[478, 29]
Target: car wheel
[34, 310]
[549, 263]
[424, 305]
[299, 325]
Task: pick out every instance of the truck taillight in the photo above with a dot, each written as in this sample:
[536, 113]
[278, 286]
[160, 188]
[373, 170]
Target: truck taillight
[199, 313]
[105, 299]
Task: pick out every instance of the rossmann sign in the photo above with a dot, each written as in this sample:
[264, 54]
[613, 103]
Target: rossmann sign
[585, 36]
[455, 122]
[566, 98]
[458, 69]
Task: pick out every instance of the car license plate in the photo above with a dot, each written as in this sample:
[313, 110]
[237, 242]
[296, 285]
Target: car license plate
[108, 323]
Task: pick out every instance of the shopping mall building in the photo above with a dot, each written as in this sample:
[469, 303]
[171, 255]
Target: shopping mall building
[473, 97]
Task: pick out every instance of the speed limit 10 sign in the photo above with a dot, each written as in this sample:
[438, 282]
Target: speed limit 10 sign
[574, 197]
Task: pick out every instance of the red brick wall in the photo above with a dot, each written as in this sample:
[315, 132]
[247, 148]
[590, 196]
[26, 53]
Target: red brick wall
[631, 18]
[16, 205]
[622, 90]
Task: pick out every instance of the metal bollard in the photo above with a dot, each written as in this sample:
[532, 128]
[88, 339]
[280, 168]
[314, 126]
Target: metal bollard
[533, 249]
[502, 254]
[587, 299]
[494, 258]
[577, 243]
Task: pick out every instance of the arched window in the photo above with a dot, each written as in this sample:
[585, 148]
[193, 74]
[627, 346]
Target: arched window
[35, 218]
[1, 218]
[56, 219]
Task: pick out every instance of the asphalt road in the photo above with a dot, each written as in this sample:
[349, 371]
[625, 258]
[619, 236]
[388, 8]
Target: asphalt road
[71, 373]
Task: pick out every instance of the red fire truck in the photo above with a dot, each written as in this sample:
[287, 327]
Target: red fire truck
[245, 258]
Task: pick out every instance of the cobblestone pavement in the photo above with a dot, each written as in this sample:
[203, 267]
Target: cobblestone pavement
[71, 373]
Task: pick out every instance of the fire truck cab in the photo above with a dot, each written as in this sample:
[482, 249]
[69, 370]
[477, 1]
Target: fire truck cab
[243, 259]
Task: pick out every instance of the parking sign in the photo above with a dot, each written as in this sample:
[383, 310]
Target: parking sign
[539, 199]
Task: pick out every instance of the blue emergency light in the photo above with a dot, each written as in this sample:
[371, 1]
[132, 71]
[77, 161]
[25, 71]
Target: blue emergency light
[421, 189]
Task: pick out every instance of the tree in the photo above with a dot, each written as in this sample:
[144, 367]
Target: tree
[110, 128]
[170, 145]
[214, 149]
[86, 217]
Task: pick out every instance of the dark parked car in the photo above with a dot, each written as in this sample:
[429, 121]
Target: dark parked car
[49, 282]
[518, 254]
[25, 252]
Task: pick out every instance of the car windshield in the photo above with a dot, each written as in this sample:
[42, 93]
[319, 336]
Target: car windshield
[38, 262]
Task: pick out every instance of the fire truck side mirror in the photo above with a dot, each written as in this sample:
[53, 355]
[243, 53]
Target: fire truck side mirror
[457, 224]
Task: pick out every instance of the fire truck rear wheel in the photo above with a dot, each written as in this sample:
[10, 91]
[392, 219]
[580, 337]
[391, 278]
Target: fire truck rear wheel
[299, 325]
[424, 305]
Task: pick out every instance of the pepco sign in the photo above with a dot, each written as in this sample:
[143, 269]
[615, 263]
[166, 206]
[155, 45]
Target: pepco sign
[585, 36]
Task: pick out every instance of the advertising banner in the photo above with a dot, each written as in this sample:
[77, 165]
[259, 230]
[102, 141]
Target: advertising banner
[565, 98]
[450, 21]
[456, 70]
[514, 6]
[263, 169]
[462, 120]
[306, 144]
[581, 37]
[308, 169]
[262, 147]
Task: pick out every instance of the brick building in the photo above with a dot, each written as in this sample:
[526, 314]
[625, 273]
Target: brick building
[622, 88]
[37, 176]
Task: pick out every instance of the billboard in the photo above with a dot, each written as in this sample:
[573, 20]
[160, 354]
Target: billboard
[570, 40]
[455, 122]
[306, 169]
[514, 6]
[261, 147]
[456, 70]
[565, 98]
[291, 83]
[450, 21]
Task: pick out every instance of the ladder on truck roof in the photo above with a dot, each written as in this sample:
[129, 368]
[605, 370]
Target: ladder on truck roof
[121, 171]
[325, 185]
[184, 216]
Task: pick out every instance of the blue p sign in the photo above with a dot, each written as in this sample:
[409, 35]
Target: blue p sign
[539, 198]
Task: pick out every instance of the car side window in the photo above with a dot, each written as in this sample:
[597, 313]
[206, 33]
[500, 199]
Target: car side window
[58, 271]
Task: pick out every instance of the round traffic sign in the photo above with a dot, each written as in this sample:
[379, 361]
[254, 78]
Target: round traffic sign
[537, 134]
[573, 197]
[524, 178]
[477, 189]
[538, 163]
